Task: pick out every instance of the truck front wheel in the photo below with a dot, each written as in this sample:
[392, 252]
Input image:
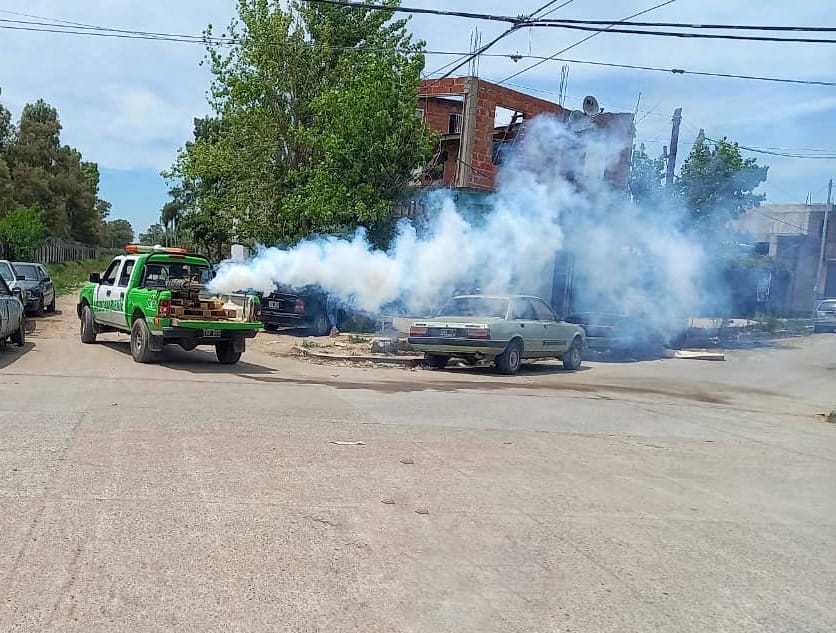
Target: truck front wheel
[226, 353]
[140, 339]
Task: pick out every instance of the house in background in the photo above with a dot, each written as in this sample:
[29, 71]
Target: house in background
[479, 122]
[794, 234]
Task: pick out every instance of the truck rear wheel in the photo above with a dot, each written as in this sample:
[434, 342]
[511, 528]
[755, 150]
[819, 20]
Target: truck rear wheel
[226, 353]
[88, 325]
[140, 339]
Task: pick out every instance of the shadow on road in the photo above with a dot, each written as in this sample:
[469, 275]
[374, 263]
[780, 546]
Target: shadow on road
[196, 361]
[527, 369]
[11, 353]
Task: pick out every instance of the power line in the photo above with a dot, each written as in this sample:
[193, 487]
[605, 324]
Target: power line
[101, 31]
[680, 34]
[548, 13]
[581, 41]
[483, 49]
[541, 21]
[715, 27]
[457, 14]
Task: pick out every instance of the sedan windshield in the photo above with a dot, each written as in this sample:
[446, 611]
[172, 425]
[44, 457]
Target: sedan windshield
[28, 271]
[475, 307]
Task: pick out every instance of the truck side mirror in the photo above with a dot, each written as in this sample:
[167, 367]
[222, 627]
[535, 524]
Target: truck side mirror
[95, 278]
[18, 292]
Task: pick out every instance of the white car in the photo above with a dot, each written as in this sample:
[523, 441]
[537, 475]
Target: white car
[824, 318]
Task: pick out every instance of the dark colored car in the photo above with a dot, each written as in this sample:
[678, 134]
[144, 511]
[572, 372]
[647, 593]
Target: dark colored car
[38, 289]
[307, 308]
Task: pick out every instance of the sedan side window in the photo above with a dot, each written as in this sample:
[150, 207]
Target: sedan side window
[521, 309]
[544, 312]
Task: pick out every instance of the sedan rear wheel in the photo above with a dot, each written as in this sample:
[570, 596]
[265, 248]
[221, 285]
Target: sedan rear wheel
[509, 361]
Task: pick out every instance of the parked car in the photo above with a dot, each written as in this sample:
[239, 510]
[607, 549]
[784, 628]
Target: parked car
[289, 307]
[12, 319]
[305, 308]
[502, 329]
[824, 318]
[7, 272]
[39, 291]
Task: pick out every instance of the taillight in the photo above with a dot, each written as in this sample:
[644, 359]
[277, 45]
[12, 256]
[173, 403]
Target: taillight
[164, 308]
[478, 332]
[418, 330]
[299, 306]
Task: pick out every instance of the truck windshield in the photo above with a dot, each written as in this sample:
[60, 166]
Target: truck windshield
[158, 272]
[475, 307]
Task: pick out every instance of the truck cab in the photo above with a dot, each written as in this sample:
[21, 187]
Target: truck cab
[158, 296]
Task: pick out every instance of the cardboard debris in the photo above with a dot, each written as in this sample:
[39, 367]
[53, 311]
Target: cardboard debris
[691, 354]
[347, 443]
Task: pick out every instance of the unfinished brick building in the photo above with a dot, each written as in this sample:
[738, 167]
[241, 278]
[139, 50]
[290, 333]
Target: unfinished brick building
[474, 139]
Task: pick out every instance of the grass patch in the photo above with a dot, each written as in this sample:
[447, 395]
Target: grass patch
[786, 327]
[69, 276]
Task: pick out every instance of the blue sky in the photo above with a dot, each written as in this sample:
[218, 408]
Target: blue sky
[129, 105]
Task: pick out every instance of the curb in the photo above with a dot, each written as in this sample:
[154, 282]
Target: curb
[408, 361]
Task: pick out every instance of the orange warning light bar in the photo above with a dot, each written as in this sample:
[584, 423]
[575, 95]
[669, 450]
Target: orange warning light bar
[142, 248]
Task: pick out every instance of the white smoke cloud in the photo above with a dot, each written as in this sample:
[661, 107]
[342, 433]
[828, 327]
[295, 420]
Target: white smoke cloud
[628, 259]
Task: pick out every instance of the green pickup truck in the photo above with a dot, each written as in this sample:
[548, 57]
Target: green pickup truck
[157, 295]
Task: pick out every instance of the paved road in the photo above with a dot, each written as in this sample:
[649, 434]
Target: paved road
[663, 496]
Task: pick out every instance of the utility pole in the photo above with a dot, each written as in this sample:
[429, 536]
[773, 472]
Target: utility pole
[677, 119]
[823, 251]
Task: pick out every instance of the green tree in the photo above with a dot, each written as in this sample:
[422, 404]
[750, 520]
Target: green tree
[22, 230]
[6, 128]
[716, 184]
[117, 233]
[7, 192]
[155, 234]
[646, 176]
[315, 124]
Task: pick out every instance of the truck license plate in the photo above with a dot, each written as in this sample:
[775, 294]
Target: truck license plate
[211, 333]
[447, 333]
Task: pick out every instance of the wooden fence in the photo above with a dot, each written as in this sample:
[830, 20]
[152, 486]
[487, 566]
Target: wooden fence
[56, 251]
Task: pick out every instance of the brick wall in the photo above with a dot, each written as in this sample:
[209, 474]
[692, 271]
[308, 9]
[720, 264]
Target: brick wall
[479, 161]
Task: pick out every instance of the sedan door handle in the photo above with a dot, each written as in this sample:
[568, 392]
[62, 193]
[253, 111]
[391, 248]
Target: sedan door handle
[522, 324]
[107, 293]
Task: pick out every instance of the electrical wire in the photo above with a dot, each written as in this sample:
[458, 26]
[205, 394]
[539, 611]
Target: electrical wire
[482, 49]
[100, 31]
[704, 36]
[715, 27]
[457, 14]
[585, 39]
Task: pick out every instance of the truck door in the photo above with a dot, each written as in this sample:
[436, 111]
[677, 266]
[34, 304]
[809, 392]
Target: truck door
[103, 298]
[120, 290]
